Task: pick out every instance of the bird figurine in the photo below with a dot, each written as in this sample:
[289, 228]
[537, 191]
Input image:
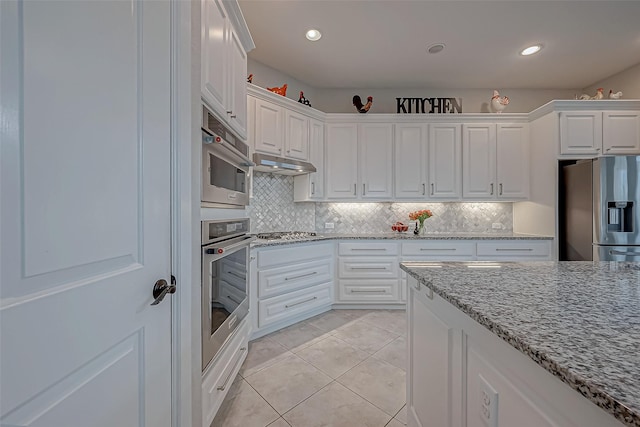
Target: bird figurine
[357, 102]
[250, 78]
[279, 90]
[616, 95]
[499, 103]
[598, 95]
[302, 100]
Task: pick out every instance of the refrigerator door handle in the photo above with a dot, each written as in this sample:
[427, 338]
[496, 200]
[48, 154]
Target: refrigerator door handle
[614, 252]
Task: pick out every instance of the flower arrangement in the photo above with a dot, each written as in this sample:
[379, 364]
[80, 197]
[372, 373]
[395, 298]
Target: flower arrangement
[420, 216]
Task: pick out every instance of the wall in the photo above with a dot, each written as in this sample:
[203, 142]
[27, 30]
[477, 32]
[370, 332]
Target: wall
[265, 76]
[627, 81]
[384, 100]
[272, 209]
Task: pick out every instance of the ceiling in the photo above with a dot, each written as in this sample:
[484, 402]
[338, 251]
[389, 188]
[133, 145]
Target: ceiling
[382, 44]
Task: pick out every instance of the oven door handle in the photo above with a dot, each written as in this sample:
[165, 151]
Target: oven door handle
[246, 241]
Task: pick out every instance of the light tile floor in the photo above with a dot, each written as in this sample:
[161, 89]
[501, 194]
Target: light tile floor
[343, 368]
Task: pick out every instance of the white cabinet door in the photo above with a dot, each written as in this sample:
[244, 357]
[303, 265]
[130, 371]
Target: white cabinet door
[296, 137]
[215, 26]
[621, 132]
[268, 128]
[375, 161]
[342, 161]
[410, 161]
[512, 143]
[85, 214]
[430, 370]
[581, 132]
[479, 161]
[237, 112]
[445, 161]
[311, 186]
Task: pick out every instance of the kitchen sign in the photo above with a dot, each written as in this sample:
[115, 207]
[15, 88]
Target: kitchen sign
[428, 105]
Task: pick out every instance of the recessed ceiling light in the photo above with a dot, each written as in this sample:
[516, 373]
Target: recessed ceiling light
[313, 35]
[436, 48]
[531, 50]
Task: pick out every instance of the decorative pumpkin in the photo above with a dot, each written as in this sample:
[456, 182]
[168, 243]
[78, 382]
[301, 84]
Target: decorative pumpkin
[279, 90]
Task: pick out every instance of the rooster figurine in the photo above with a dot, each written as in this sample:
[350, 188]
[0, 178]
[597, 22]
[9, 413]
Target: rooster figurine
[499, 103]
[279, 90]
[598, 95]
[250, 78]
[357, 102]
[302, 100]
[616, 95]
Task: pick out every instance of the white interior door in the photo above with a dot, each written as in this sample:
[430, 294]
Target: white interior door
[84, 224]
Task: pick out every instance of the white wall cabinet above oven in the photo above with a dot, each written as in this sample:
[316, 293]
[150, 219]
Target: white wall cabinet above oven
[225, 42]
[597, 133]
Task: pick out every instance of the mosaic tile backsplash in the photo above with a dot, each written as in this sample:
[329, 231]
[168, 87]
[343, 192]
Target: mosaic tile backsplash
[272, 209]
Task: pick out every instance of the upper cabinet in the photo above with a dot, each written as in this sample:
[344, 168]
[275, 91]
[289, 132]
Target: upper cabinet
[311, 186]
[599, 132]
[225, 43]
[444, 161]
[359, 161]
[411, 161]
[496, 161]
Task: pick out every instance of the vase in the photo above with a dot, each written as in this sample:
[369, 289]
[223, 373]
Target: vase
[420, 229]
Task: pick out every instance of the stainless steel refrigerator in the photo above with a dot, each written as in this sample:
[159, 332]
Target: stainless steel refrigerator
[599, 217]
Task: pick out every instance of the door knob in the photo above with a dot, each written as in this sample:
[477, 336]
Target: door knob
[162, 288]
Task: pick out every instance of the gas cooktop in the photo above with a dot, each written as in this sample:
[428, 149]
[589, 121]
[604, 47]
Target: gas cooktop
[286, 235]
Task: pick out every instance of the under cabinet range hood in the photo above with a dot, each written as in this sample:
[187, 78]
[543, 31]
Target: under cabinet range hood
[280, 165]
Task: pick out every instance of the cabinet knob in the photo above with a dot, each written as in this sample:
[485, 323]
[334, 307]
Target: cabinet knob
[492, 188]
[597, 149]
[432, 189]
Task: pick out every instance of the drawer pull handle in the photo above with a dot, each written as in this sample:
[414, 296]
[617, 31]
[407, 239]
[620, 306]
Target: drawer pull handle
[301, 302]
[356, 291]
[438, 249]
[239, 276]
[368, 268]
[633, 254]
[301, 276]
[369, 249]
[235, 365]
[513, 249]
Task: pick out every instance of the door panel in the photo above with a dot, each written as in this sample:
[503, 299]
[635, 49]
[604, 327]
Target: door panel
[444, 161]
[85, 213]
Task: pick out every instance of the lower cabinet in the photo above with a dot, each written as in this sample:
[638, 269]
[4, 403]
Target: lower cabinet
[368, 272]
[221, 372]
[461, 374]
[289, 284]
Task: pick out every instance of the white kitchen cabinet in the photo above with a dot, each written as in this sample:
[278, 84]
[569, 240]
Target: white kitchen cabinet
[341, 161]
[224, 63]
[368, 273]
[431, 365]
[445, 161]
[599, 132]
[375, 154]
[411, 161]
[220, 374]
[495, 161]
[296, 136]
[457, 366]
[289, 284]
[359, 161]
[268, 133]
[311, 186]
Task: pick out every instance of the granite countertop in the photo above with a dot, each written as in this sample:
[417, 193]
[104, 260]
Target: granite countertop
[404, 236]
[578, 320]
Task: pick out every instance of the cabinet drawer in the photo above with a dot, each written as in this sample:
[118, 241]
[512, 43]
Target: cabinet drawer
[440, 249]
[219, 375]
[372, 267]
[370, 291]
[367, 249]
[508, 250]
[292, 254]
[272, 310]
[276, 281]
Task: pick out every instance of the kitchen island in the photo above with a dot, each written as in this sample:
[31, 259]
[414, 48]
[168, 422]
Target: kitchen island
[557, 343]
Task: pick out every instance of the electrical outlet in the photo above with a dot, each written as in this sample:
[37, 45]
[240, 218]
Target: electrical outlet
[488, 403]
[496, 226]
[328, 225]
